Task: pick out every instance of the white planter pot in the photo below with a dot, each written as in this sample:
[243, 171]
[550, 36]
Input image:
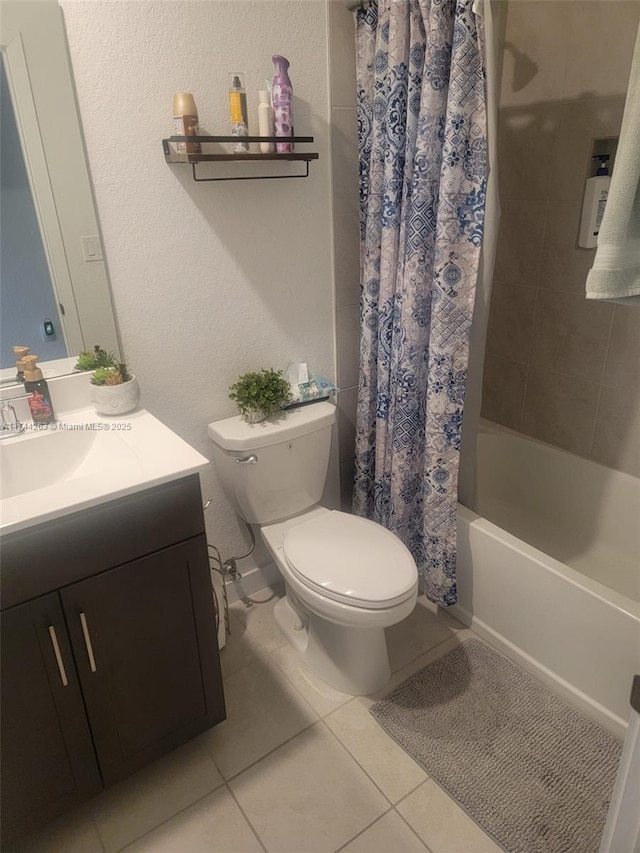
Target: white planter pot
[116, 399]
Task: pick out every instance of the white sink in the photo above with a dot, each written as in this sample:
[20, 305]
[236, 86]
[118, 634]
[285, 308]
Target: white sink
[51, 458]
[86, 460]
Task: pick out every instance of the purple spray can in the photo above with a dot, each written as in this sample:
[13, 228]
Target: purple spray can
[282, 94]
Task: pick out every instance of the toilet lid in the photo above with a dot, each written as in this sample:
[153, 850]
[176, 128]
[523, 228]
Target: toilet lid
[351, 559]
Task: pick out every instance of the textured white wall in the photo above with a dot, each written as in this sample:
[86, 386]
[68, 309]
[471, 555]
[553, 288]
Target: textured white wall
[209, 280]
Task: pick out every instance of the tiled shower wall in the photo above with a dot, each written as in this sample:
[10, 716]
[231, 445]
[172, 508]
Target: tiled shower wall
[559, 367]
[346, 240]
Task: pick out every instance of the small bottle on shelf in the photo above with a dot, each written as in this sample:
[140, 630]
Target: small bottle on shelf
[185, 122]
[265, 120]
[238, 113]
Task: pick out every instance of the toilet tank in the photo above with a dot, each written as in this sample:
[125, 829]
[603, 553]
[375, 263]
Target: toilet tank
[275, 469]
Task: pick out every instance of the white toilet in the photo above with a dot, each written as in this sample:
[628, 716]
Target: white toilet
[347, 579]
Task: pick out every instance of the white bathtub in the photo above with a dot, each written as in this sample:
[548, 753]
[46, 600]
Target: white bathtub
[549, 569]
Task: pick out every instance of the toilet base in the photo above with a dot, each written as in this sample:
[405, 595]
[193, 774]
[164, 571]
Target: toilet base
[353, 660]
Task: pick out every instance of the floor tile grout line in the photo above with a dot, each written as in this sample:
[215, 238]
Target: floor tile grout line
[352, 756]
[234, 776]
[406, 822]
[97, 831]
[244, 815]
[168, 819]
[358, 834]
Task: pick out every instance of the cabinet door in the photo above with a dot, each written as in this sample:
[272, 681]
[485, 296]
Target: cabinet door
[145, 644]
[48, 760]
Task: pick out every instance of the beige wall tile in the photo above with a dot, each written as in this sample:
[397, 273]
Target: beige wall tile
[510, 329]
[564, 266]
[616, 441]
[600, 41]
[347, 259]
[560, 410]
[571, 335]
[348, 330]
[343, 55]
[347, 470]
[347, 402]
[535, 53]
[580, 122]
[344, 146]
[622, 367]
[503, 391]
[526, 137]
[520, 241]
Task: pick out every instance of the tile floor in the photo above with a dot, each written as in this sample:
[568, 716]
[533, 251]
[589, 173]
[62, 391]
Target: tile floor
[297, 766]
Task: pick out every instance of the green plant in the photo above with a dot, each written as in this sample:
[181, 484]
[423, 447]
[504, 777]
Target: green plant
[114, 374]
[88, 360]
[262, 391]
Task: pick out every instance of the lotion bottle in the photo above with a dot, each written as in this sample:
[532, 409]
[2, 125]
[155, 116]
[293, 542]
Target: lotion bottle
[40, 399]
[595, 199]
[282, 103]
[265, 120]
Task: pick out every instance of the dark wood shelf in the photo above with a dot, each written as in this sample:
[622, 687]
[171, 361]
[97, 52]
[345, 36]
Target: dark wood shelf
[172, 155]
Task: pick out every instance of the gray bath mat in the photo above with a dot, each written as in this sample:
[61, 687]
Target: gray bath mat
[532, 771]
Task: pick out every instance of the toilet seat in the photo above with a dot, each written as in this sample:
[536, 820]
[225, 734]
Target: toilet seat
[351, 560]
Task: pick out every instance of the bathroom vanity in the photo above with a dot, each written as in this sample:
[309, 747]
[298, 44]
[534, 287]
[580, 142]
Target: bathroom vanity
[108, 629]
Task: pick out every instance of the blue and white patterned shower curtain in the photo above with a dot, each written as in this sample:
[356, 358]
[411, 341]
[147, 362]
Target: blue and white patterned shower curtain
[423, 156]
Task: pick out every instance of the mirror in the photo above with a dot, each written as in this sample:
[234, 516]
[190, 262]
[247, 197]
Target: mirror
[50, 229]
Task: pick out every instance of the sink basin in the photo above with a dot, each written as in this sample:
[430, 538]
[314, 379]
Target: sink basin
[84, 461]
[53, 457]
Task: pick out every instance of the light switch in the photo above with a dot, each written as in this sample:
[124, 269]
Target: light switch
[91, 248]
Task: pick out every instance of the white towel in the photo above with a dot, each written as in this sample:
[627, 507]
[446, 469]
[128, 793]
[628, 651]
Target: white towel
[615, 275]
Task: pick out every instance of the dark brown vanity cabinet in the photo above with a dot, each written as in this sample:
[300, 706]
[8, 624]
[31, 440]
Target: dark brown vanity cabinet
[114, 665]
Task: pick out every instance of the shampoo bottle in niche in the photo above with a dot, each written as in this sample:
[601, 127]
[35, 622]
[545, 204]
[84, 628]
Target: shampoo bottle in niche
[595, 200]
[238, 112]
[185, 122]
[282, 103]
[36, 385]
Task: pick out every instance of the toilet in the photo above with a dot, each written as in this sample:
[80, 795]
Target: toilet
[346, 578]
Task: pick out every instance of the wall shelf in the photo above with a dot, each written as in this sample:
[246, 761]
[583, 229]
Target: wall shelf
[172, 155]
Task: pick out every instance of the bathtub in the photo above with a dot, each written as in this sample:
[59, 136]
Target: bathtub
[549, 569]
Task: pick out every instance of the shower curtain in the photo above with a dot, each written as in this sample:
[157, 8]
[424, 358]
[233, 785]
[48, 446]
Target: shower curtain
[423, 163]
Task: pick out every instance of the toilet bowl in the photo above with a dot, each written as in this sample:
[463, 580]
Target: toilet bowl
[346, 578]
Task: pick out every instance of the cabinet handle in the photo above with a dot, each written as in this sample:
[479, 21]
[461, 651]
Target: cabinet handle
[56, 651]
[87, 642]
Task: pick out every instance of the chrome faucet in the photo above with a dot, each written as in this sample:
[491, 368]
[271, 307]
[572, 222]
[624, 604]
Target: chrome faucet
[10, 425]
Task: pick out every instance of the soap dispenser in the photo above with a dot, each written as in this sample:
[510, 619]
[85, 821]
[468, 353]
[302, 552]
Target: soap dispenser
[36, 385]
[595, 199]
[20, 353]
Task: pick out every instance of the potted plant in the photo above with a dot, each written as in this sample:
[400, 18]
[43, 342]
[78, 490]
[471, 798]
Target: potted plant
[114, 391]
[260, 393]
[90, 360]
